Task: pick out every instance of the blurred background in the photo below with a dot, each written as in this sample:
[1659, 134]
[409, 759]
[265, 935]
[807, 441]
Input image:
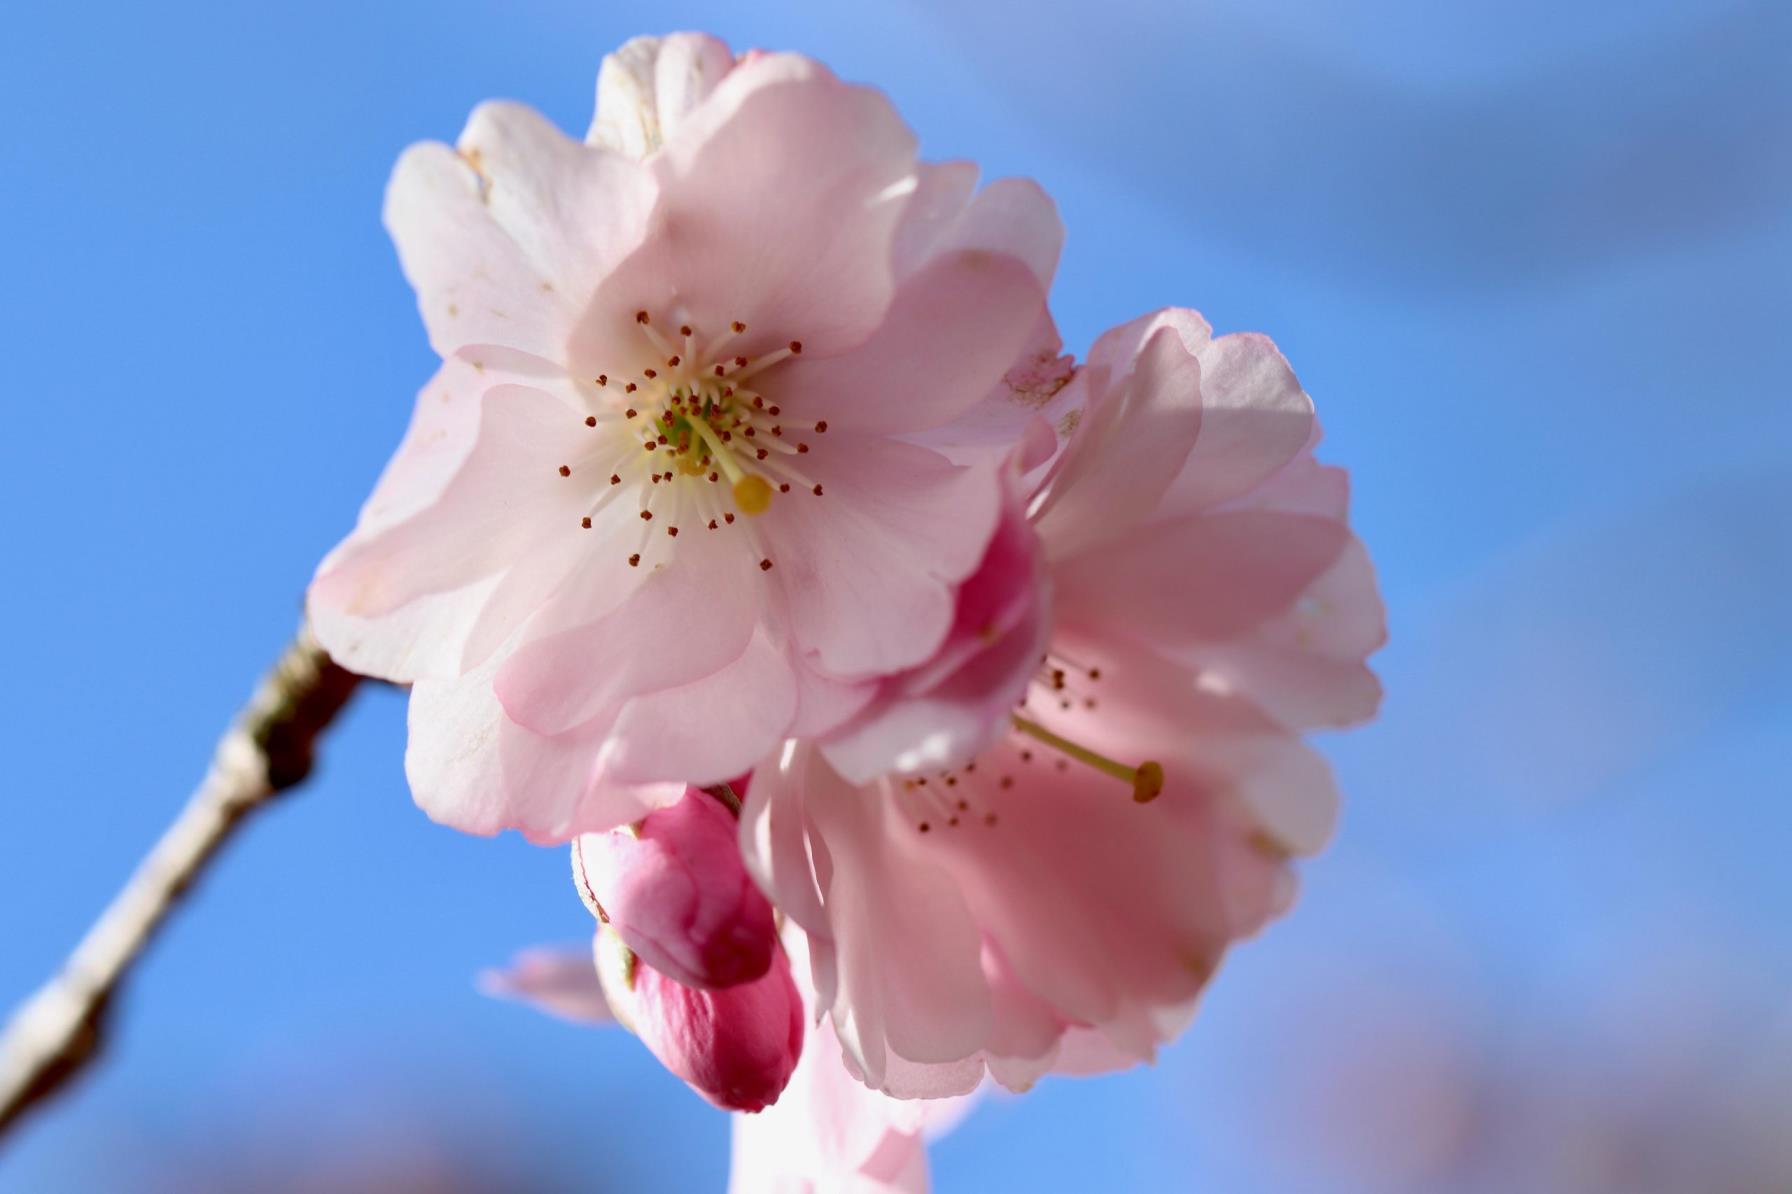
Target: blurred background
[1534, 261]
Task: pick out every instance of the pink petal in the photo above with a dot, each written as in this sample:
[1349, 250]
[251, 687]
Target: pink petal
[830, 1133]
[420, 638]
[472, 768]
[909, 983]
[952, 332]
[572, 211]
[560, 982]
[942, 191]
[505, 503]
[712, 729]
[1254, 420]
[867, 571]
[473, 285]
[1132, 442]
[1012, 216]
[1199, 580]
[1107, 910]
[734, 240]
[670, 632]
[647, 88]
[942, 713]
[1306, 665]
[773, 840]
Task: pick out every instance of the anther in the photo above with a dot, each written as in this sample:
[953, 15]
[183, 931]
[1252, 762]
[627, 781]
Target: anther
[629, 388]
[615, 480]
[784, 487]
[565, 472]
[672, 531]
[761, 453]
[647, 516]
[822, 426]
[737, 327]
[727, 517]
[712, 524]
[585, 522]
[603, 379]
[640, 317]
[765, 565]
[796, 346]
[817, 491]
[630, 413]
[590, 420]
[672, 361]
[684, 329]
[649, 374]
[634, 561]
[801, 448]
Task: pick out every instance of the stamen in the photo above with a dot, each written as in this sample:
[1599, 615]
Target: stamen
[1147, 779]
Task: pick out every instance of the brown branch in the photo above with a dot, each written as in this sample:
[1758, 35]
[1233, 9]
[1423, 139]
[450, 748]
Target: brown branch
[267, 749]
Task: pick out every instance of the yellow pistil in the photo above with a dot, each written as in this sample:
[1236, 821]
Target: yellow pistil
[752, 494]
[1147, 779]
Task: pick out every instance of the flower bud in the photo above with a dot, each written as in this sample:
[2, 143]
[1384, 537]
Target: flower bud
[736, 1046]
[674, 888]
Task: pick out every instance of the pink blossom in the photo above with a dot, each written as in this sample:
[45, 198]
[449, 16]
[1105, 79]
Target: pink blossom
[736, 1046]
[674, 888]
[1060, 900]
[745, 261]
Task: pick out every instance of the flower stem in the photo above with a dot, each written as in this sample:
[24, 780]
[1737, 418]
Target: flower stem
[267, 749]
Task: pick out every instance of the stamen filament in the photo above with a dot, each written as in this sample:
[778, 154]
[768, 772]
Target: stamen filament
[1147, 779]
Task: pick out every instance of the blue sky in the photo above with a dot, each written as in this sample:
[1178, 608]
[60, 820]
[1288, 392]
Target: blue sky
[1531, 259]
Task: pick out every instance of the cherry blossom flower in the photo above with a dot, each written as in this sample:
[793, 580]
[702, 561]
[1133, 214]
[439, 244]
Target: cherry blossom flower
[668, 501]
[1058, 901]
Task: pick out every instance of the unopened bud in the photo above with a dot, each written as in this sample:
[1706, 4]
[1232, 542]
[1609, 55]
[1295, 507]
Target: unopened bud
[736, 1046]
[674, 888]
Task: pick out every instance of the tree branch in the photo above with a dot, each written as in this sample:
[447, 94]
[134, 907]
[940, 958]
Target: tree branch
[266, 750]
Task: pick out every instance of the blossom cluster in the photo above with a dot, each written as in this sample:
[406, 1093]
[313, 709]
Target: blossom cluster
[923, 706]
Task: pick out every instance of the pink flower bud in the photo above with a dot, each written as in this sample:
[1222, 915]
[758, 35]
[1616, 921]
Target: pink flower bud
[674, 888]
[736, 1046]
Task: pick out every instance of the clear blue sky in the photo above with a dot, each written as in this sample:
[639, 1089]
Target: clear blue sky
[1531, 258]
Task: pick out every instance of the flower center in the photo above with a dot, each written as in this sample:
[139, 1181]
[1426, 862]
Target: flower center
[962, 796]
[698, 440]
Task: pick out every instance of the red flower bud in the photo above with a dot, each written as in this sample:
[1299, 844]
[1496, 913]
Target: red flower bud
[674, 888]
[736, 1046]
